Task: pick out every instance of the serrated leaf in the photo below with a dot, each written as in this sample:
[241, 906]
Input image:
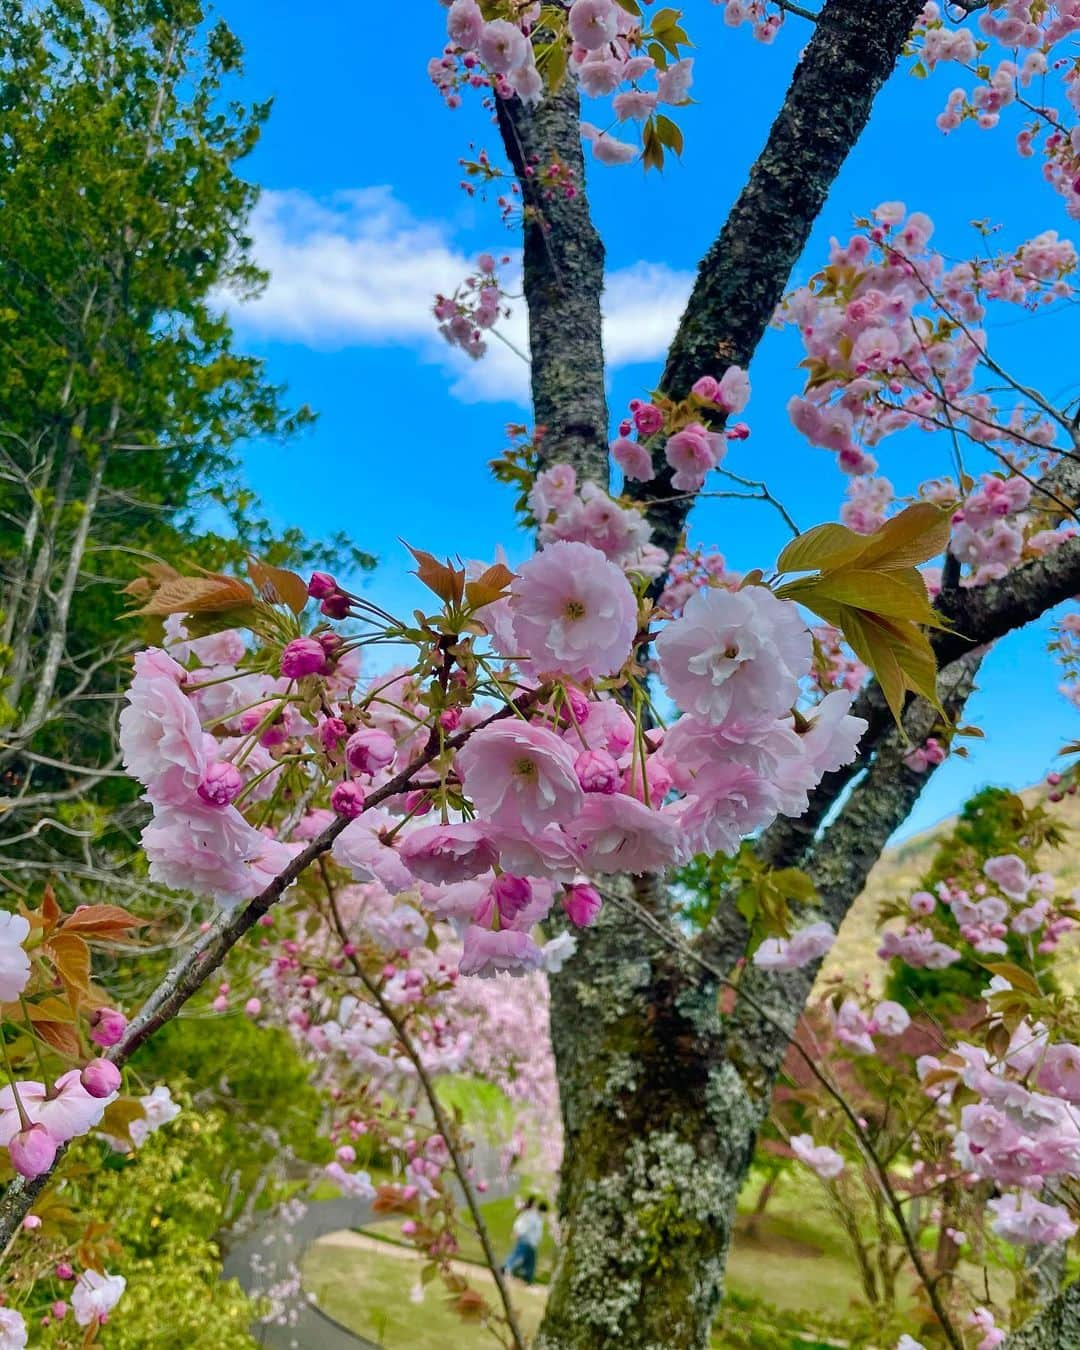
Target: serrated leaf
[554, 67]
[795, 885]
[278, 586]
[669, 133]
[50, 910]
[821, 549]
[878, 592]
[50, 1009]
[71, 957]
[107, 922]
[665, 18]
[919, 533]
[489, 586]
[211, 594]
[119, 1115]
[447, 582]
[61, 1036]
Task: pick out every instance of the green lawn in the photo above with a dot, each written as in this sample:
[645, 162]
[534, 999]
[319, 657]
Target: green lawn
[799, 1264]
[373, 1295]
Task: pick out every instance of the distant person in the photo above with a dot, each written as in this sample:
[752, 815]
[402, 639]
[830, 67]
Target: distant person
[528, 1233]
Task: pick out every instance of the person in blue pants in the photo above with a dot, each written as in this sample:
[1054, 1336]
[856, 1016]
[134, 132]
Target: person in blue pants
[528, 1232]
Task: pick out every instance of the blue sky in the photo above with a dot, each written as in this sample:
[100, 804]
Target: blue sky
[362, 220]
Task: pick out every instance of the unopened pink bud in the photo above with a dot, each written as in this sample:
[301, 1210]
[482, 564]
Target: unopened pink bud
[335, 607]
[100, 1078]
[221, 784]
[32, 1222]
[59, 1309]
[303, 656]
[253, 1007]
[32, 1151]
[582, 904]
[368, 750]
[107, 1027]
[597, 771]
[347, 799]
[321, 585]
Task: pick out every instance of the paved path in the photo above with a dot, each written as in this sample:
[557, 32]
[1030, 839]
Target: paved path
[276, 1248]
[267, 1258]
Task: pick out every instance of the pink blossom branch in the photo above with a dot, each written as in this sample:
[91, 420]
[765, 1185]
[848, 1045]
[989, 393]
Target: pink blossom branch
[192, 971]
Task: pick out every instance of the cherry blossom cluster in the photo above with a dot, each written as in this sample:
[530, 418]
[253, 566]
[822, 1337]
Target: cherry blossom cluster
[689, 570]
[690, 448]
[93, 1296]
[1033, 49]
[763, 16]
[599, 43]
[894, 341]
[1003, 1077]
[473, 309]
[497, 772]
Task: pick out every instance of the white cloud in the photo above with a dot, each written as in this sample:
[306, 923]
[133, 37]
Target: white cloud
[359, 270]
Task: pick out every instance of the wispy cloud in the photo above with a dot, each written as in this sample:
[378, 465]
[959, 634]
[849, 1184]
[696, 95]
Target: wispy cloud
[358, 269]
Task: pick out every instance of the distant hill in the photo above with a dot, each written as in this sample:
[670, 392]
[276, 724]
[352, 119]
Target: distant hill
[898, 871]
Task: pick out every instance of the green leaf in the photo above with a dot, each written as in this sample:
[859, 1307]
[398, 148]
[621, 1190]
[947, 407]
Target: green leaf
[1016, 975]
[821, 549]
[669, 133]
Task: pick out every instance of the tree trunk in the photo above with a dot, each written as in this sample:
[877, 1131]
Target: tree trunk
[1057, 1327]
[659, 1134]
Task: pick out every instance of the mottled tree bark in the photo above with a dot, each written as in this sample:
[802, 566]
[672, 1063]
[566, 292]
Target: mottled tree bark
[563, 279]
[1057, 1327]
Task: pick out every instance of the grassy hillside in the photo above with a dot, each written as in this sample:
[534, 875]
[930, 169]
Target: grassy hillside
[898, 872]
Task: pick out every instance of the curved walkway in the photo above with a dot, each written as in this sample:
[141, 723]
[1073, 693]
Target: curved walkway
[267, 1257]
[273, 1250]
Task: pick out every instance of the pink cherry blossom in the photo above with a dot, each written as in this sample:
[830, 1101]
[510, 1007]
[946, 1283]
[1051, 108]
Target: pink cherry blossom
[502, 46]
[692, 452]
[890, 1018]
[369, 750]
[211, 852]
[95, 1295]
[825, 1161]
[1023, 1219]
[1010, 873]
[487, 954]
[14, 962]
[574, 612]
[806, 944]
[360, 849]
[735, 654]
[618, 833]
[734, 390]
[13, 1333]
[444, 854]
[593, 23]
[520, 776]
[160, 735]
[634, 460]
[465, 23]
[674, 84]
